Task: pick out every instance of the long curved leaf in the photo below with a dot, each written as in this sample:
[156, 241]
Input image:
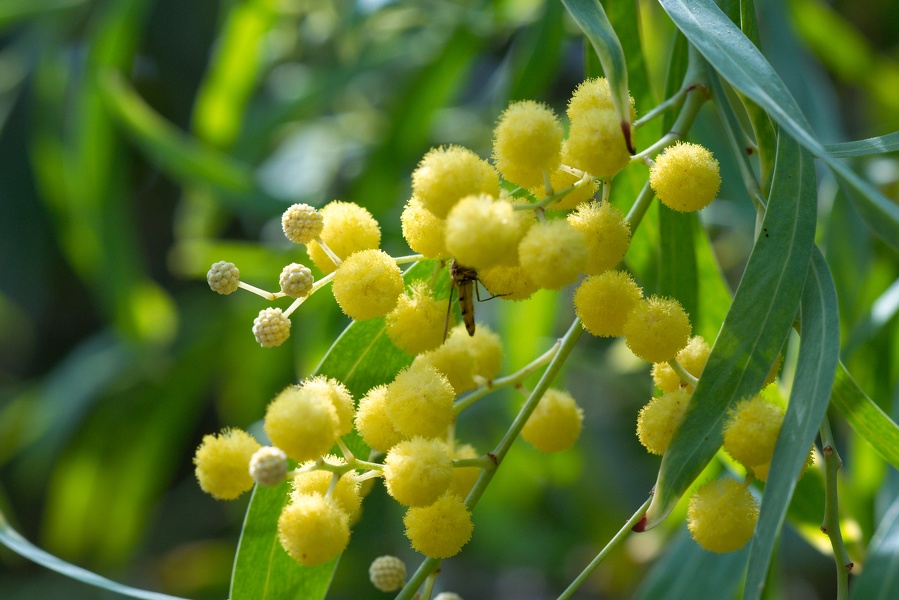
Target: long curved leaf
[865, 417]
[880, 579]
[755, 328]
[819, 353]
[876, 145]
[734, 56]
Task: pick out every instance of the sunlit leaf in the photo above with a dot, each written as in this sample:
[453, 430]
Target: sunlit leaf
[876, 145]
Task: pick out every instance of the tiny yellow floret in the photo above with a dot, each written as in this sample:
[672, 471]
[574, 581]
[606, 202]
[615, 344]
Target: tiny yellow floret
[606, 232]
[486, 348]
[268, 466]
[553, 254]
[447, 174]
[339, 397]
[424, 232]
[604, 302]
[347, 228]
[692, 358]
[722, 515]
[223, 277]
[658, 421]
[527, 141]
[368, 284]
[296, 280]
[657, 329]
[482, 232]
[271, 328]
[313, 529]
[752, 430]
[418, 471]
[420, 401]
[453, 359]
[372, 421]
[345, 493]
[594, 94]
[416, 324]
[302, 422]
[441, 529]
[596, 144]
[222, 463]
[685, 177]
[302, 223]
[555, 424]
[508, 283]
[387, 573]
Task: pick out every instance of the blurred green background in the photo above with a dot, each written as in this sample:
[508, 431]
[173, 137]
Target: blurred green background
[142, 140]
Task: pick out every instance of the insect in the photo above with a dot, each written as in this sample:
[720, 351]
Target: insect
[465, 280]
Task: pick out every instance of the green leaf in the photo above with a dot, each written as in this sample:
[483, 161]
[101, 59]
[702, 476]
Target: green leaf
[818, 356]
[13, 540]
[13, 11]
[678, 273]
[362, 358]
[755, 328]
[592, 19]
[732, 54]
[865, 417]
[880, 578]
[876, 145]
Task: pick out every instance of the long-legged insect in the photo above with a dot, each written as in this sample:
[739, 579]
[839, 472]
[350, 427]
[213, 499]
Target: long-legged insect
[465, 280]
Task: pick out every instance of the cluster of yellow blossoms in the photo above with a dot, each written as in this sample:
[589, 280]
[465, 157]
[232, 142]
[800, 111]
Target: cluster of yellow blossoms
[460, 212]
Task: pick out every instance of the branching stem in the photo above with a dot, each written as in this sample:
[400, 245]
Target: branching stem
[831, 524]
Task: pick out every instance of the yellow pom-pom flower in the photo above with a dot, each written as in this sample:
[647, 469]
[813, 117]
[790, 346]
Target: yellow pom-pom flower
[424, 232]
[606, 232]
[446, 175]
[562, 180]
[594, 94]
[418, 471]
[420, 402]
[486, 349]
[416, 324]
[222, 463]
[302, 422]
[464, 478]
[347, 228]
[657, 329]
[692, 358]
[526, 142]
[453, 359]
[441, 529]
[658, 421]
[338, 395]
[302, 223]
[367, 285]
[604, 302]
[372, 421]
[345, 493]
[722, 515]
[313, 529]
[387, 573]
[555, 424]
[482, 232]
[596, 144]
[553, 254]
[752, 430]
[508, 283]
[685, 177]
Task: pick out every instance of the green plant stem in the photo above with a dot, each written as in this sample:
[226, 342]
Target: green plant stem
[660, 108]
[315, 287]
[622, 533]
[684, 375]
[696, 97]
[513, 379]
[831, 524]
[411, 258]
[482, 462]
[259, 291]
[641, 205]
[565, 346]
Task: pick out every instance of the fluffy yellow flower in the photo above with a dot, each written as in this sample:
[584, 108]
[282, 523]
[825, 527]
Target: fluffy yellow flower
[338, 395]
[347, 228]
[453, 359]
[553, 254]
[418, 471]
[222, 463]
[604, 302]
[368, 284]
[692, 358]
[508, 283]
[606, 232]
[302, 422]
[685, 177]
[658, 421]
[446, 175]
[483, 232]
[423, 231]
[526, 142]
[555, 424]
[345, 494]
[594, 94]
[657, 329]
[722, 515]
[441, 529]
[416, 324]
[561, 180]
[372, 421]
[420, 402]
[596, 143]
[313, 529]
[752, 430]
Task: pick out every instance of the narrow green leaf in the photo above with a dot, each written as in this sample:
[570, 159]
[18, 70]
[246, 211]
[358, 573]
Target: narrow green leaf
[876, 145]
[678, 273]
[755, 328]
[13, 11]
[818, 356]
[882, 311]
[880, 578]
[714, 294]
[13, 540]
[865, 417]
[592, 19]
[744, 67]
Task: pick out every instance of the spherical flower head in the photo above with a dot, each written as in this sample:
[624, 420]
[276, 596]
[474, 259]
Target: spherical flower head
[346, 494]
[562, 180]
[761, 471]
[604, 302]
[302, 223]
[447, 174]
[223, 277]
[722, 515]
[420, 401]
[387, 573]
[441, 529]
[347, 228]
[416, 324]
[526, 142]
[606, 231]
[508, 283]
[296, 280]
[596, 144]
[692, 358]
[464, 478]
[453, 359]
[222, 462]
[486, 350]
[372, 421]
[482, 232]
[301, 422]
[658, 421]
[553, 254]
[368, 284]
[424, 232]
[555, 424]
[268, 466]
[775, 368]
[339, 397]
[313, 529]
[657, 329]
[418, 471]
[271, 327]
[752, 430]
[594, 94]
[447, 596]
[685, 177]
